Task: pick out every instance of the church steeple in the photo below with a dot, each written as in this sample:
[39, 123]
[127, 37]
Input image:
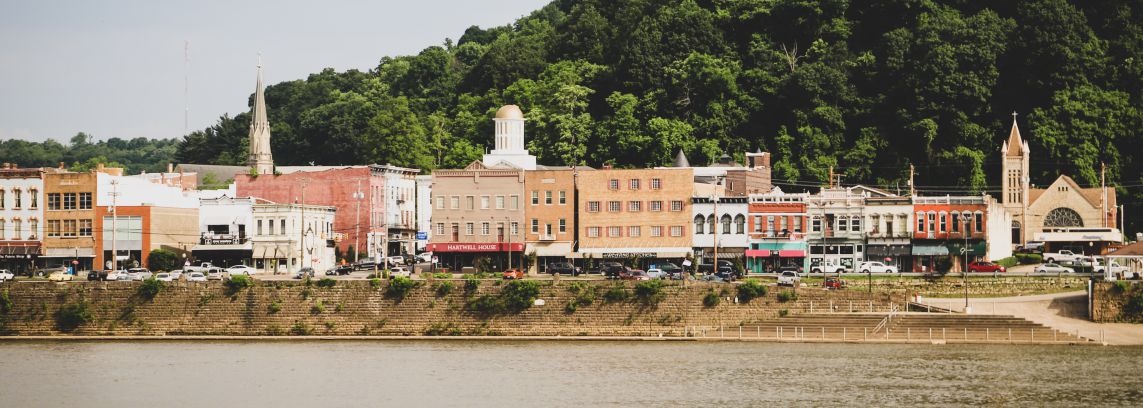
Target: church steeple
[260, 158]
[1015, 146]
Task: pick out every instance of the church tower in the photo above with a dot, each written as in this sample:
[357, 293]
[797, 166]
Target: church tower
[1014, 157]
[260, 158]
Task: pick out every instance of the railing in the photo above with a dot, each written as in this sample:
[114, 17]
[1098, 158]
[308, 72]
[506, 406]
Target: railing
[907, 335]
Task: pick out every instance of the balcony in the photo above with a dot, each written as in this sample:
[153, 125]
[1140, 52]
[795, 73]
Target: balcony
[547, 237]
[223, 239]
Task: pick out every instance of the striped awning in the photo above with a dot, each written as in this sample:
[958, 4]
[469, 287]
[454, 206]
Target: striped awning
[930, 250]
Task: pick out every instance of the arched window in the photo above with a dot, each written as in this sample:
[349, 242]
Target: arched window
[1063, 217]
[1016, 232]
[725, 224]
[710, 224]
[740, 224]
[699, 221]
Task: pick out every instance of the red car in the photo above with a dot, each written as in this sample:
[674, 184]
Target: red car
[513, 274]
[982, 266]
[833, 283]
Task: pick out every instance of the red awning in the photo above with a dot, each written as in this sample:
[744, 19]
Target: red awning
[792, 253]
[478, 247]
[757, 253]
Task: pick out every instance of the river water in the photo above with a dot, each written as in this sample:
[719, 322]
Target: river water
[560, 373]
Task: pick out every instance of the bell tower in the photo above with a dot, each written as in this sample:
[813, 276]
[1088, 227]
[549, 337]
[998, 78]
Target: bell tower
[1014, 185]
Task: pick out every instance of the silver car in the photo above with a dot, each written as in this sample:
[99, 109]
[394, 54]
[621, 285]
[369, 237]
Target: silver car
[1054, 268]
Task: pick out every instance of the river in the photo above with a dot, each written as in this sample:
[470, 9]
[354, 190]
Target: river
[471, 373]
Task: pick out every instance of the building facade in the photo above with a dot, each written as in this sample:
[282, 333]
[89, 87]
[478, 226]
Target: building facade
[837, 229]
[888, 233]
[477, 217]
[777, 222]
[948, 225]
[288, 237]
[134, 216]
[636, 214]
[224, 225]
[424, 211]
[69, 219]
[549, 215]
[21, 218]
[400, 208]
[719, 222]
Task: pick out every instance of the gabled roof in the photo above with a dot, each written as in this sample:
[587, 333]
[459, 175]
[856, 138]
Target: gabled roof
[1015, 143]
[874, 192]
[1092, 195]
[1135, 249]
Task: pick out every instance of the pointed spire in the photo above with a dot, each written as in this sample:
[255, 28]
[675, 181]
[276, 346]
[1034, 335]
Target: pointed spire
[1015, 145]
[681, 160]
[260, 158]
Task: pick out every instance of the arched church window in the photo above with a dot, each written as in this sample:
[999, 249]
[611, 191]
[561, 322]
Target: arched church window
[1063, 217]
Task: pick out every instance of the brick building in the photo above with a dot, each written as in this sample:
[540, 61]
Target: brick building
[477, 214]
[777, 223]
[69, 219]
[549, 214]
[636, 213]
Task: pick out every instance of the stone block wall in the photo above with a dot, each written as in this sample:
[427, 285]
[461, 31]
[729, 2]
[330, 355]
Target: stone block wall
[1118, 302]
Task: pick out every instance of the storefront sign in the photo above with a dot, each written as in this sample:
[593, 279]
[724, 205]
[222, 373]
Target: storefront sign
[623, 255]
[477, 247]
[221, 241]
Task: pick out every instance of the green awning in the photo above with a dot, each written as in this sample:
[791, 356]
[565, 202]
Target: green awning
[930, 250]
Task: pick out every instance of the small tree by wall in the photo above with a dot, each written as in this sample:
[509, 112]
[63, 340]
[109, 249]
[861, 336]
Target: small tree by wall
[162, 260]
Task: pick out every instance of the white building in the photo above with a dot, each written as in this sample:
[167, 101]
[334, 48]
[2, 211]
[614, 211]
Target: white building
[400, 208]
[288, 237]
[728, 219]
[225, 224]
[21, 212]
[424, 209]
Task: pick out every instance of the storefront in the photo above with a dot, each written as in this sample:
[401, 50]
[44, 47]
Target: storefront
[81, 258]
[224, 255]
[768, 257]
[19, 259]
[547, 253]
[927, 255]
[899, 256]
[499, 255]
[635, 257]
[845, 255]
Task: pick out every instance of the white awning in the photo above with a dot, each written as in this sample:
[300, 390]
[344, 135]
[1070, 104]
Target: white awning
[550, 248]
[235, 247]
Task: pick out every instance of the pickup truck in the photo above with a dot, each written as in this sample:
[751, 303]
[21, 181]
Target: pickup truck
[1062, 256]
[204, 268]
[1115, 268]
[827, 267]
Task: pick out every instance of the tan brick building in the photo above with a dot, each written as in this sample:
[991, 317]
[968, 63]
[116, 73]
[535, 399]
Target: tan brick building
[635, 213]
[549, 214]
[478, 214]
[69, 219]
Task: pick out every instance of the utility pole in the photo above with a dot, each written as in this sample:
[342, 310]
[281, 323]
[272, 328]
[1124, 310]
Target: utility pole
[302, 240]
[912, 189]
[357, 196]
[830, 177]
[114, 225]
[1103, 199]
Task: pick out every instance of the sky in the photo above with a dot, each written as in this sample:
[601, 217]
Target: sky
[116, 68]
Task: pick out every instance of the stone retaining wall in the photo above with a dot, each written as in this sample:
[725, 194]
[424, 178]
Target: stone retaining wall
[357, 308]
[1118, 302]
[999, 286]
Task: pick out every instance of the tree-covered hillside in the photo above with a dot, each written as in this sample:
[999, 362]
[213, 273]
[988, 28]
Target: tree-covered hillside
[868, 87]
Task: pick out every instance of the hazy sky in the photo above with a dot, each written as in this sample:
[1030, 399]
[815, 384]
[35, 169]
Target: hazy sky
[115, 68]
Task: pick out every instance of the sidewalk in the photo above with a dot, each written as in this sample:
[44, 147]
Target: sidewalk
[1063, 311]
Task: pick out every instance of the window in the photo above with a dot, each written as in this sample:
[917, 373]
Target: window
[740, 224]
[272, 227]
[979, 221]
[563, 225]
[816, 224]
[535, 226]
[757, 223]
[1, 228]
[548, 230]
[889, 226]
[468, 228]
[932, 221]
[855, 224]
[770, 224]
[655, 205]
[53, 201]
[955, 222]
[35, 198]
[53, 228]
[484, 228]
[710, 224]
[469, 202]
[515, 228]
[593, 206]
[85, 201]
[798, 224]
[85, 228]
[614, 206]
[259, 227]
[440, 228]
[282, 223]
[440, 203]
[634, 231]
[548, 197]
[2, 195]
[499, 202]
[17, 202]
[513, 202]
[69, 228]
[656, 231]
[656, 184]
[634, 206]
[69, 201]
[33, 225]
[699, 221]
[944, 222]
[563, 197]
[614, 231]
[676, 231]
[593, 232]
[535, 197]
[455, 202]
[676, 205]
[633, 184]
[920, 222]
[485, 202]
[613, 184]
[725, 224]
[842, 223]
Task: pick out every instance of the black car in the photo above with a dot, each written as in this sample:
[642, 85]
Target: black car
[611, 270]
[563, 268]
[97, 275]
[364, 264]
[343, 269]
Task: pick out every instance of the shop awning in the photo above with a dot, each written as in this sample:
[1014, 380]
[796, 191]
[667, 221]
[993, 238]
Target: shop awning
[791, 253]
[233, 247]
[886, 250]
[20, 250]
[930, 250]
[563, 249]
[783, 253]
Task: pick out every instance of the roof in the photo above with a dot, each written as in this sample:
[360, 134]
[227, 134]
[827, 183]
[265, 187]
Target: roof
[1015, 143]
[219, 172]
[509, 112]
[681, 160]
[1135, 249]
[313, 169]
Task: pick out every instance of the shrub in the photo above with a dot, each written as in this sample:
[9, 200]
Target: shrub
[72, 315]
[485, 305]
[571, 307]
[340, 306]
[783, 312]
[750, 289]
[442, 275]
[300, 329]
[163, 260]
[326, 283]
[399, 287]
[443, 288]
[616, 293]
[471, 284]
[6, 304]
[1133, 309]
[306, 293]
[318, 308]
[650, 292]
[150, 288]
[711, 299]
[275, 307]
[1120, 286]
[1029, 259]
[519, 295]
[944, 264]
[374, 283]
[1008, 262]
[237, 283]
[786, 296]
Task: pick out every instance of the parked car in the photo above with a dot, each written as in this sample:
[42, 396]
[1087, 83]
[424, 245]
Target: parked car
[790, 268]
[139, 273]
[176, 274]
[610, 270]
[304, 273]
[196, 277]
[656, 273]
[364, 264]
[723, 265]
[163, 277]
[6, 275]
[1062, 256]
[343, 270]
[727, 275]
[396, 260]
[117, 275]
[788, 278]
[984, 266]
[711, 277]
[563, 268]
[241, 270]
[96, 275]
[875, 267]
[204, 267]
[833, 283]
[59, 276]
[669, 269]
[1054, 268]
[1031, 248]
[215, 274]
[634, 274]
[400, 271]
[513, 274]
[827, 267]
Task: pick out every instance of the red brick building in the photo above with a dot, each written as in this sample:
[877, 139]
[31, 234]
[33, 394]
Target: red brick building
[940, 226]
